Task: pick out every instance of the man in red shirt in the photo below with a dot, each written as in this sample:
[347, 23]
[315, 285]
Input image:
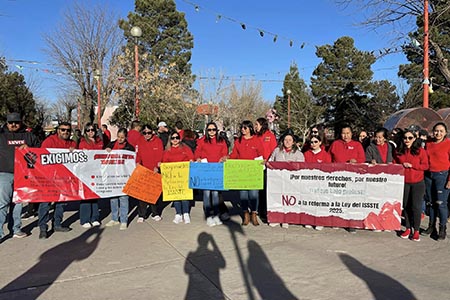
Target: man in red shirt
[59, 140]
[135, 133]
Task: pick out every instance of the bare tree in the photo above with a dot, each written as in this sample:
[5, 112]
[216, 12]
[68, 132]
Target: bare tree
[85, 47]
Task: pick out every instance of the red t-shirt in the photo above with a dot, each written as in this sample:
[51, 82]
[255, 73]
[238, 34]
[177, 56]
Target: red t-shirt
[383, 149]
[320, 157]
[54, 141]
[439, 155]
[342, 152]
[247, 148]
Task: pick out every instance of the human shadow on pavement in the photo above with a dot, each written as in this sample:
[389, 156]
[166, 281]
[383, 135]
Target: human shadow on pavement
[52, 263]
[264, 278]
[381, 285]
[210, 271]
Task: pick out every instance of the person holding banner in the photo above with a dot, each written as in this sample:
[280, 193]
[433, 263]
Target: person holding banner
[380, 151]
[248, 146]
[178, 152]
[119, 206]
[89, 214]
[316, 152]
[149, 150]
[414, 159]
[437, 181]
[13, 135]
[346, 150]
[60, 140]
[211, 148]
[286, 151]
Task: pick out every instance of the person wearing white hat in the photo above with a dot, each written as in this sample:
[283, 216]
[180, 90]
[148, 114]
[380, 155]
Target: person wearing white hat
[163, 132]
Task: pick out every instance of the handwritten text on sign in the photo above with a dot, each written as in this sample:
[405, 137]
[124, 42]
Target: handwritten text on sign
[240, 174]
[206, 176]
[175, 181]
[144, 184]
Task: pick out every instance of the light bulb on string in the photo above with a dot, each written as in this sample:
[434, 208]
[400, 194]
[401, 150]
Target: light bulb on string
[291, 43]
[275, 38]
[261, 33]
[218, 18]
[243, 26]
[197, 8]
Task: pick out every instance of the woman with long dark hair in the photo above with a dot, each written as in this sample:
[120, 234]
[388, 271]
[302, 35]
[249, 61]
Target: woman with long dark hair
[248, 146]
[119, 205]
[211, 148]
[414, 159]
[89, 213]
[437, 180]
[267, 138]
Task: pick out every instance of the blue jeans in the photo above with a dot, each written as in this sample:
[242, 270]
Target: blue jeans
[6, 192]
[249, 199]
[44, 216]
[119, 209]
[182, 207]
[207, 195]
[89, 211]
[438, 196]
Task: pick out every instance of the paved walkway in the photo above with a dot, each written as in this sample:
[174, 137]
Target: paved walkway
[162, 260]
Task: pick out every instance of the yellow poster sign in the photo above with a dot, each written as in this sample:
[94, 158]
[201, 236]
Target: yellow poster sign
[175, 181]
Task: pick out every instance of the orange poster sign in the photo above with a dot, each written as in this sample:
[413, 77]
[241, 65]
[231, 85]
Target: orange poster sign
[144, 185]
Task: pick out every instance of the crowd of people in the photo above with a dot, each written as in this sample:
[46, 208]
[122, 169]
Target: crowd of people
[425, 157]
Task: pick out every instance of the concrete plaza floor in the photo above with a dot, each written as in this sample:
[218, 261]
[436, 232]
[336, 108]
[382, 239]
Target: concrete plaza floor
[162, 260]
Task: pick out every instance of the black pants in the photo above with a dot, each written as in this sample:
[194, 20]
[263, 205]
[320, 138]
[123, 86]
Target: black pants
[156, 208]
[412, 204]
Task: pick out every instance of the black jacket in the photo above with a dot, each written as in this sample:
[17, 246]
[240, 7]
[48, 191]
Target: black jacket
[9, 141]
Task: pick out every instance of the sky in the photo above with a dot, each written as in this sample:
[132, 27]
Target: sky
[221, 46]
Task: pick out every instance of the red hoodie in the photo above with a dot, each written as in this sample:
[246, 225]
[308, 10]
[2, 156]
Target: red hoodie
[269, 142]
[419, 165]
[342, 152]
[54, 141]
[177, 154]
[133, 137]
[149, 153]
[320, 157]
[213, 151]
[247, 148]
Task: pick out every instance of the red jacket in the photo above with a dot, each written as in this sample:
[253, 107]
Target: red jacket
[247, 148]
[439, 155]
[269, 142]
[213, 151]
[419, 165]
[54, 141]
[133, 137]
[149, 153]
[177, 154]
[97, 145]
[320, 157]
[342, 152]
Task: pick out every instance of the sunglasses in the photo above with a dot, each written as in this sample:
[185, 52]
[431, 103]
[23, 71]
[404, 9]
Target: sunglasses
[90, 130]
[14, 122]
[174, 137]
[314, 131]
[65, 129]
[408, 138]
[147, 132]
[314, 142]
[244, 127]
[211, 129]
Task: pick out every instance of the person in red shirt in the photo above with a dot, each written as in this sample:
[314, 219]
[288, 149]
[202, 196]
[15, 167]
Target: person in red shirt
[248, 146]
[346, 150]
[106, 135]
[179, 128]
[316, 153]
[135, 133]
[380, 151]
[119, 205]
[89, 214]
[149, 150]
[59, 140]
[414, 159]
[178, 152]
[212, 148]
[437, 180]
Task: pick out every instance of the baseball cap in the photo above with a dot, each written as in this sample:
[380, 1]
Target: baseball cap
[162, 124]
[13, 117]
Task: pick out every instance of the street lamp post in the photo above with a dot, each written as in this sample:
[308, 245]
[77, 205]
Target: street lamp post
[97, 76]
[136, 32]
[426, 80]
[288, 92]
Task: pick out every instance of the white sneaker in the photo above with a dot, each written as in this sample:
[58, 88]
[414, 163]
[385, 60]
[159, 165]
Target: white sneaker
[318, 228]
[178, 219]
[210, 222]
[112, 223]
[96, 223]
[140, 220]
[217, 220]
[187, 218]
[123, 226]
[156, 218]
[86, 225]
[308, 226]
[274, 224]
[285, 225]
